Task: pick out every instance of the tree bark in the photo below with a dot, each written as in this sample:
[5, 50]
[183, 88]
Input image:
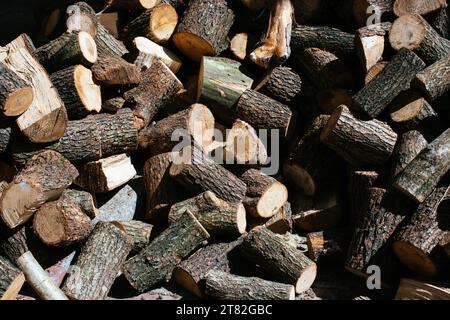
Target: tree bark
[113, 70]
[83, 199]
[11, 280]
[281, 222]
[107, 44]
[138, 231]
[16, 95]
[282, 84]
[434, 81]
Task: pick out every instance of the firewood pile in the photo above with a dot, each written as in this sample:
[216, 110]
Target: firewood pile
[248, 149]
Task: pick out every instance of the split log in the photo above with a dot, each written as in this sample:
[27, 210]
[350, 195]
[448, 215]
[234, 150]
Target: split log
[277, 257]
[83, 199]
[225, 286]
[157, 88]
[77, 90]
[281, 83]
[191, 273]
[221, 83]
[328, 246]
[370, 44]
[81, 17]
[157, 24]
[410, 111]
[281, 222]
[16, 250]
[409, 146]
[113, 70]
[138, 231]
[46, 119]
[402, 7]
[358, 142]
[422, 175]
[392, 80]
[363, 9]
[16, 95]
[329, 99]
[113, 104]
[242, 44]
[106, 174]
[156, 262]
[410, 289]
[434, 81]
[424, 230]
[203, 29]
[195, 123]
[262, 112]
[217, 216]
[43, 178]
[68, 49]
[414, 33]
[318, 219]
[121, 207]
[150, 51]
[11, 279]
[275, 46]
[107, 44]
[100, 259]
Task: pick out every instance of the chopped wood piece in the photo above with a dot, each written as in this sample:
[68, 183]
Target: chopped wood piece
[113, 70]
[106, 174]
[157, 88]
[410, 289]
[191, 273]
[217, 216]
[138, 231]
[275, 47]
[434, 81]
[284, 262]
[81, 17]
[203, 29]
[83, 199]
[374, 71]
[242, 45]
[317, 220]
[281, 83]
[113, 104]
[150, 51]
[46, 119]
[11, 279]
[107, 44]
[423, 174]
[413, 32]
[156, 262]
[370, 43]
[225, 286]
[100, 259]
[402, 7]
[44, 177]
[392, 80]
[359, 183]
[16, 95]
[121, 207]
[328, 246]
[5, 136]
[358, 142]
[77, 89]
[423, 232]
[61, 223]
[281, 222]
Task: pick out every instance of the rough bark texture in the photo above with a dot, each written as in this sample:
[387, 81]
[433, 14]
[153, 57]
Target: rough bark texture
[113, 70]
[5, 136]
[138, 231]
[402, 7]
[83, 199]
[107, 44]
[98, 264]
[434, 81]
[11, 279]
[359, 183]
[281, 222]
[282, 84]
[15, 94]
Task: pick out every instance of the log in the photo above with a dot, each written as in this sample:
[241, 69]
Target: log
[281, 222]
[16, 95]
[110, 20]
[138, 231]
[83, 199]
[318, 219]
[374, 71]
[195, 123]
[413, 32]
[61, 223]
[358, 186]
[106, 174]
[16, 250]
[281, 83]
[411, 111]
[121, 207]
[327, 247]
[402, 7]
[422, 175]
[78, 91]
[113, 104]
[100, 259]
[157, 88]
[148, 51]
[278, 258]
[107, 44]
[5, 136]
[203, 29]
[113, 70]
[11, 279]
[156, 262]
[275, 46]
[224, 286]
[157, 24]
[440, 20]
[218, 217]
[424, 230]
[68, 49]
[358, 142]
[46, 119]
[262, 112]
[392, 80]
[221, 83]
[370, 44]
[242, 44]
[434, 81]
[411, 289]
[409, 146]
[265, 195]
[81, 17]
[191, 273]
[43, 178]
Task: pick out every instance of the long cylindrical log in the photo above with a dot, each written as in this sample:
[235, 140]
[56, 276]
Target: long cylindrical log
[113, 70]
[281, 260]
[281, 83]
[98, 264]
[11, 279]
[149, 50]
[156, 262]
[423, 174]
[318, 219]
[15, 94]
[107, 44]
[138, 231]
[402, 7]
[358, 142]
[434, 81]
